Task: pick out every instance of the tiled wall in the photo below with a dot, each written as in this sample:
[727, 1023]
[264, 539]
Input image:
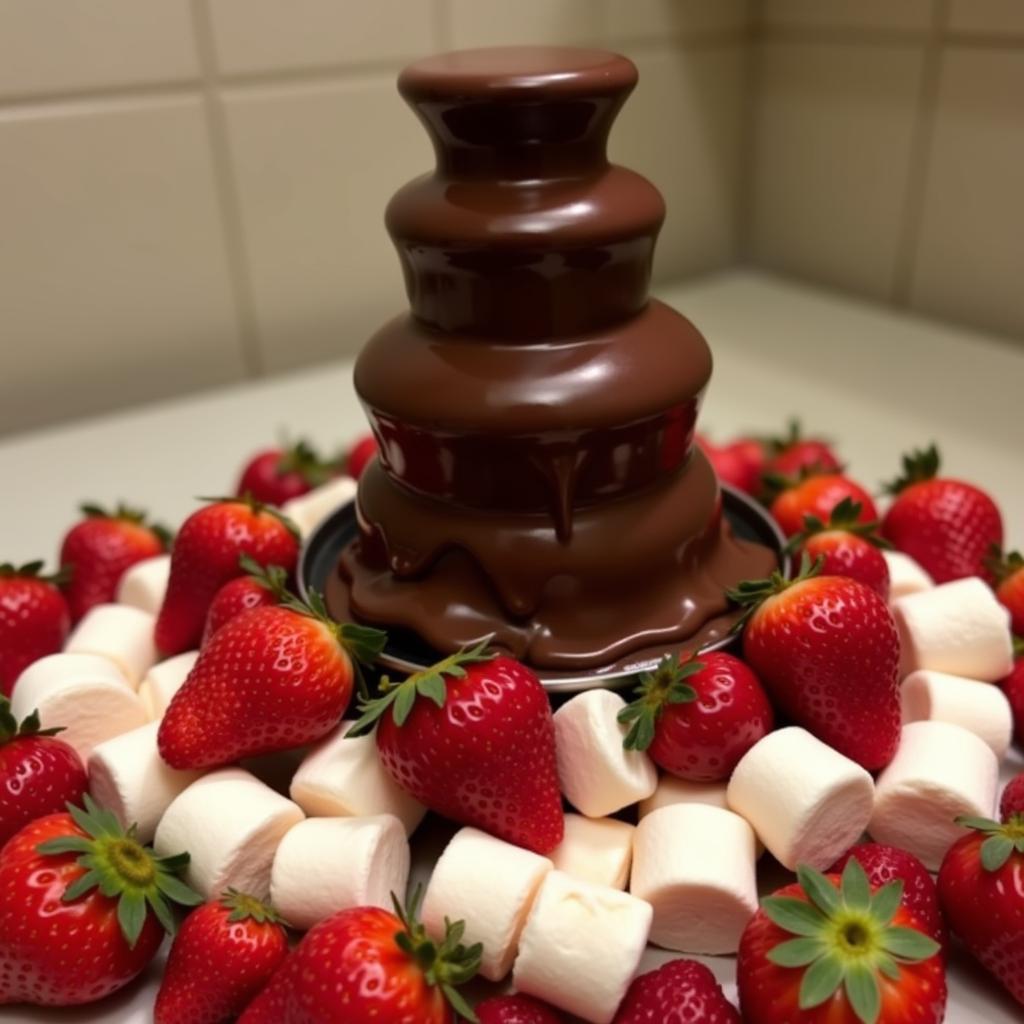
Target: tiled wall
[887, 148]
[192, 191]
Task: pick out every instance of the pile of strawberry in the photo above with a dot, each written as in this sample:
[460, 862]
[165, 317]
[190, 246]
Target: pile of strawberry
[84, 905]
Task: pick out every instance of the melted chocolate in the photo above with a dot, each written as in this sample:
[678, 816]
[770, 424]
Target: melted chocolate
[535, 411]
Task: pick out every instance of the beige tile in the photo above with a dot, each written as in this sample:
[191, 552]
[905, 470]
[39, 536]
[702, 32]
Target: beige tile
[682, 129]
[113, 281]
[49, 46]
[315, 167]
[888, 14]
[511, 22]
[970, 255]
[638, 19]
[1000, 16]
[832, 141]
[266, 35]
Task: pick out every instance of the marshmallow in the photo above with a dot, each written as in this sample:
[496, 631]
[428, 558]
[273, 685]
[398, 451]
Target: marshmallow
[231, 824]
[597, 775]
[491, 886]
[345, 777]
[324, 865]
[128, 776]
[596, 850]
[678, 791]
[905, 575]
[86, 695]
[581, 947]
[940, 771]
[164, 680]
[806, 802]
[695, 865]
[118, 632]
[979, 707]
[310, 510]
[959, 628]
[144, 584]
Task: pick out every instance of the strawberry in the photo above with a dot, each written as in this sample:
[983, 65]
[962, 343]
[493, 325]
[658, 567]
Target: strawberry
[794, 455]
[827, 651]
[98, 551]
[831, 950]
[697, 718]
[1008, 572]
[205, 556]
[818, 496]
[368, 966]
[272, 678]
[884, 864]
[949, 527]
[679, 992]
[39, 774]
[516, 1010]
[277, 475]
[846, 545]
[1013, 687]
[359, 455]
[225, 952]
[83, 907]
[739, 463]
[981, 886]
[34, 619]
[261, 587]
[1012, 801]
[472, 737]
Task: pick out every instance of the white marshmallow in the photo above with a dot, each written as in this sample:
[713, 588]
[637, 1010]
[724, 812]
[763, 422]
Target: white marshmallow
[144, 584]
[806, 802]
[231, 824]
[672, 790]
[310, 510]
[128, 776]
[905, 575]
[979, 707]
[345, 777]
[695, 865]
[491, 886]
[940, 771]
[597, 775]
[164, 680]
[596, 850]
[118, 632]
[88, 696]
[581, 947]
[324, 865]
[959, 628]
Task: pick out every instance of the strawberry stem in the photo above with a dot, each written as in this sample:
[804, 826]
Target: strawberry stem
[844, 517]
[1002, 839]
[10, 729]
[751, 594]
[665, 685]
[244, 907]
[920, 464]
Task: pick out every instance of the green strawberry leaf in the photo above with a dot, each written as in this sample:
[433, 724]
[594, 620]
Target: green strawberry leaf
[863, 993]
[820, 982]
[856, 888]
[886, 901]
[793, 915]
[797, 952]
[908, 944]
[131, 915]
[820, 891]
[996, 851]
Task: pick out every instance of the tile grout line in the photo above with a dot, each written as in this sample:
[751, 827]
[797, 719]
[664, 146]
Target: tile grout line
[224, 180]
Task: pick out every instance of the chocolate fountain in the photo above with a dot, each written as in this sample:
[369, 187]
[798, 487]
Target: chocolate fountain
[535, 409]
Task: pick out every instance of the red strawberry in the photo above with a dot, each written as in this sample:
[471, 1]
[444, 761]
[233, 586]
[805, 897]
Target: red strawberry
[846, 546]
[277, 475]
[981, 886]
[884, 864]
[739, 463]
[367, 966]
[359, 455]
[262, 587]
[1012, 801]
[1008, 571]
[225, 952]
[697, 718]
[39, 774]
[818, 496]
[680, 992]
[83, 908]
[1013, 687]
[516, 1010]
[866, 956]
[205, 556]
[795, 455]
[101, 548]
[949, 527]
[472, 737]
[827, 651]
[34, 620]
[270, 679]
